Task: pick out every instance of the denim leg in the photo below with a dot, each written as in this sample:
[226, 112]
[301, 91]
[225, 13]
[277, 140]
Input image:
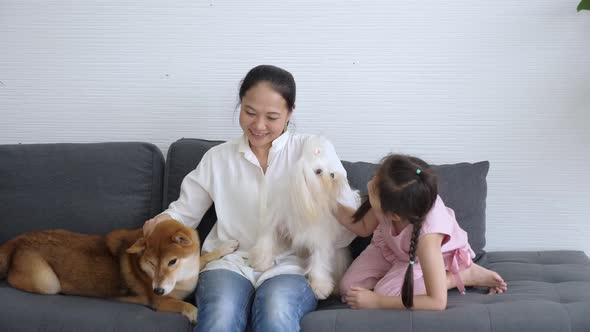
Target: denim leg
[223, 298]
[280, 303]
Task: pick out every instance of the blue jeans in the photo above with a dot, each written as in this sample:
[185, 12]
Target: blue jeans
[225, 300]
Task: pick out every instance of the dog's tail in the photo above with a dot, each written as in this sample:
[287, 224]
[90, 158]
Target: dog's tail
[5, 256]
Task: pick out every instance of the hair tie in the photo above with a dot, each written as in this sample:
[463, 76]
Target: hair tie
[411, 262]
[418, 171]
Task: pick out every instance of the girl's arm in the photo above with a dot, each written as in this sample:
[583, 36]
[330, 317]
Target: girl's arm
[363, 227]
[433, 270]
[344, 214]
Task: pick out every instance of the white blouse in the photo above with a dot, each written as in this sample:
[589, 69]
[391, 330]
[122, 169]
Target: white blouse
[229, 175]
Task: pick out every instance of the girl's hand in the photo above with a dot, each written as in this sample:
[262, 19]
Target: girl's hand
[149, 225]
[361, 298]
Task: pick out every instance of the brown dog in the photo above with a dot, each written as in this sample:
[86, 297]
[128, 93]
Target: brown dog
[158, 270]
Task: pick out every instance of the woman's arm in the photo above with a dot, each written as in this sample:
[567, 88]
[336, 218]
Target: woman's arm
[194, 199]
[433, 270]
[363, 227]
[189, 208]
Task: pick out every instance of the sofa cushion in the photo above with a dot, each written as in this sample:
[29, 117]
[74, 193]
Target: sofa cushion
[463, 187]
[88, 188]
[547, 291]
[23, 311]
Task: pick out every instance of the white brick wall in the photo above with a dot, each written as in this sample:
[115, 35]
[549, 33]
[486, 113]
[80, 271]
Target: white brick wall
[507, 81]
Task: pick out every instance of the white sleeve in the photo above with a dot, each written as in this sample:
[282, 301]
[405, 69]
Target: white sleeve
[194, 199]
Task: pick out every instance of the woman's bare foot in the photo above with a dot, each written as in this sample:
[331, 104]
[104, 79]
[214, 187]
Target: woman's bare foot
[477, 276]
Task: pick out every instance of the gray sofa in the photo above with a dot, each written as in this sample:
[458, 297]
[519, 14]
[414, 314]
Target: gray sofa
[94, 188]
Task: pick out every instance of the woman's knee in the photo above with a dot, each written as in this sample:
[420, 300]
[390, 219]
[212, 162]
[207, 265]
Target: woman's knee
[223, 300]
[281, 302]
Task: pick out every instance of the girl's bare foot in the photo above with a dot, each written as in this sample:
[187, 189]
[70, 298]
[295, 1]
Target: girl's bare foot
[478, 276]
[496, 290]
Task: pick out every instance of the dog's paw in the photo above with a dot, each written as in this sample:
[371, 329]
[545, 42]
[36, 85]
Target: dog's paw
[229, 246]
[190, 311]
[259, 259]
[322, 288]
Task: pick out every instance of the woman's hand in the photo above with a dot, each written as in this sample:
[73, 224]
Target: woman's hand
[362, 298]
[149, 225]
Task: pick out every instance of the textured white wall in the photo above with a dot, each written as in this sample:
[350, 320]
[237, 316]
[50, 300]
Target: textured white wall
[507, 81]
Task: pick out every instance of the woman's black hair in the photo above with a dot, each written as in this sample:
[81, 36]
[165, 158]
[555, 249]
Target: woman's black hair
[279, 80]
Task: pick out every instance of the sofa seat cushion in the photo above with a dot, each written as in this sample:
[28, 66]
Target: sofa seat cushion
[22, 311]
[547, 291]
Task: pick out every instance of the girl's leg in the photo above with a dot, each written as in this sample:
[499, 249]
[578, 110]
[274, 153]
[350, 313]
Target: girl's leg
[392, 282]
[280, 303]
[474, 276]
[223, 300]
[478, 276]
[365, 271]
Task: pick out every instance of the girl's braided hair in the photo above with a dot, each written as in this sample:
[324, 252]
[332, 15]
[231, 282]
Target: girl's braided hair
[407, 187]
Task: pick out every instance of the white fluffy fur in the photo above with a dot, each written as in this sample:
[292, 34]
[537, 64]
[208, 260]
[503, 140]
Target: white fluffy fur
[305, 221]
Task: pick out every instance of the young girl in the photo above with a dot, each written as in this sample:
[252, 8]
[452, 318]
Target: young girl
[418, 250]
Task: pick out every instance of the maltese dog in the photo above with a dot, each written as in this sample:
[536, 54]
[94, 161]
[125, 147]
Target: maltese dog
[301, 218]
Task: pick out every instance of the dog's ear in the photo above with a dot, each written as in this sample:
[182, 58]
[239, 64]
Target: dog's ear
[182, 238]
[138, 246]
[302, 196]
[341, 185]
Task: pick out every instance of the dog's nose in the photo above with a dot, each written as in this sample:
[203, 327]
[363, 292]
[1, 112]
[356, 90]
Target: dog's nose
[159, 291]
[332, 175]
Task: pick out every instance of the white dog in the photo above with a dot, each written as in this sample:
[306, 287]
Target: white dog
[301, 218]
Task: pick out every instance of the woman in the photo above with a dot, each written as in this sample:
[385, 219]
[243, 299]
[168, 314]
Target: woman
[238, 176]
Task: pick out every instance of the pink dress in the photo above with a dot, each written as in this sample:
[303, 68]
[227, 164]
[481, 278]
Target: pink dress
[382, 265]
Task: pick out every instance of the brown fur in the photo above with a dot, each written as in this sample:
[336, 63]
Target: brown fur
[123, 265]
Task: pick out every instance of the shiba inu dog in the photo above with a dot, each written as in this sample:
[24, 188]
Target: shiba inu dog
[157, 270]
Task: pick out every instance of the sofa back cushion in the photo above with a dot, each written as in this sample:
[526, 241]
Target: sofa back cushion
[88, 188]
[462, 186]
